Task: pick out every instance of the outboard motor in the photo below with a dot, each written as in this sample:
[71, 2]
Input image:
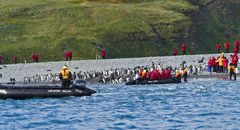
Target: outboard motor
[79, 84]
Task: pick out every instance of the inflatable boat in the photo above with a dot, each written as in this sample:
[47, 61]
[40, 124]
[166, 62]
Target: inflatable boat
[23, 91]
[145, 82]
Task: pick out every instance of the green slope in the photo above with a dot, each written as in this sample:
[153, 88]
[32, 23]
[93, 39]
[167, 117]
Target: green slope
[125, 28]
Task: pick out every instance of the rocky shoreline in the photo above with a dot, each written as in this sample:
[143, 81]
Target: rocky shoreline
[21, 70]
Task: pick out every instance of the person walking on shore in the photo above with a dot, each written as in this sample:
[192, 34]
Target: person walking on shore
[232, 71]
[218, 47]
[103, 54]
[175, 52]
[227, 45]
[33, 57]
[15, 59]
[70, 55]
[184, 48]
[237, 44]
[1, 58]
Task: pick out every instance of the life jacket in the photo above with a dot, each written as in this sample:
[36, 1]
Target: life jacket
[220, 61]
[177, 74]
[143, 74]
[65, 74]
[231, 69]
[184, 72]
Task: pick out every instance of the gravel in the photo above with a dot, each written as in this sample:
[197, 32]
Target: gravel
[20, 70]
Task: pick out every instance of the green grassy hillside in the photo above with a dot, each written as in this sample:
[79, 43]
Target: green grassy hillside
[125, 28]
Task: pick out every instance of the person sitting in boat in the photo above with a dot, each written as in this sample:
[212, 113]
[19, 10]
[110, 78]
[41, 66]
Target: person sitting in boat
[232, 71]
[178, 76]
[155, 75]
[168, 73]
[65, 76]
[184, 74]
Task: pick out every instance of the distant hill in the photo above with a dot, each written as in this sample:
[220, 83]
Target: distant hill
[125, 28]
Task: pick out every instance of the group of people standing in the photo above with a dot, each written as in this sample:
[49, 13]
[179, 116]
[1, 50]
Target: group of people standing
[218, 48]
[227, 46]
[68, 54]
[221, 64]
[183, 48]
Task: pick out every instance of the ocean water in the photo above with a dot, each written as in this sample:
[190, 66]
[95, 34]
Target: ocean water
[213, 104]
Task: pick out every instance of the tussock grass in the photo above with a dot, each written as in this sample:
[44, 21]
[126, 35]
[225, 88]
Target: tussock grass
[126, 28]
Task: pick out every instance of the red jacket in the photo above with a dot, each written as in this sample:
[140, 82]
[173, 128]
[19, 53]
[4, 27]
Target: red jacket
[104, 53]
[213, 61]
[15, 58]
[33, 57]
[227, 45]
[1, 58]
[163, 74]
[155, 75]
[175, 52]
[70, 54]
[184, 47]
[235, 50]
[225, 63]
[210, 62]
[168, 73]
[66, 54]
[234, 59]
[237, 44]
[218, 46]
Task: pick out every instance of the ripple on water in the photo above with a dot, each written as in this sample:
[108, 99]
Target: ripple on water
[193, 105]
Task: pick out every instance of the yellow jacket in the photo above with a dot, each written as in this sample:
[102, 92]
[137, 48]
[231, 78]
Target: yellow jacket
[184, 72]
[177, 74]
[220, 61]
[231, 68]
[65, 74]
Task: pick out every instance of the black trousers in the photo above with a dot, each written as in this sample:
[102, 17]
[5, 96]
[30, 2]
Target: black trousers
[233, 74]
[184, 52]
[185, 78]
[66, 83]
[227, 50]
[220, 69]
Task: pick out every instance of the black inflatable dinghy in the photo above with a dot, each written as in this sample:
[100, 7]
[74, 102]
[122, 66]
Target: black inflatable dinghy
[23, 91]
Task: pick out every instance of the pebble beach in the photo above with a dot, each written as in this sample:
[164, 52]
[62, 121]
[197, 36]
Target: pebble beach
[20, 70]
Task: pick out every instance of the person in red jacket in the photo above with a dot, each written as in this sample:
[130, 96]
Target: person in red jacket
[237, 44]
[168, 73]
[175, 52]
[104, 54]
[218, 47]
[227, 45]
[33, 57]
[163, 75]
[66, 55]
[15, 59]
[1, 58]
[184, 48]
[70, 55]
[214, 64]
[225, 65]
[235, 50]
[210, 65]
[36, 58]
[235, 60]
